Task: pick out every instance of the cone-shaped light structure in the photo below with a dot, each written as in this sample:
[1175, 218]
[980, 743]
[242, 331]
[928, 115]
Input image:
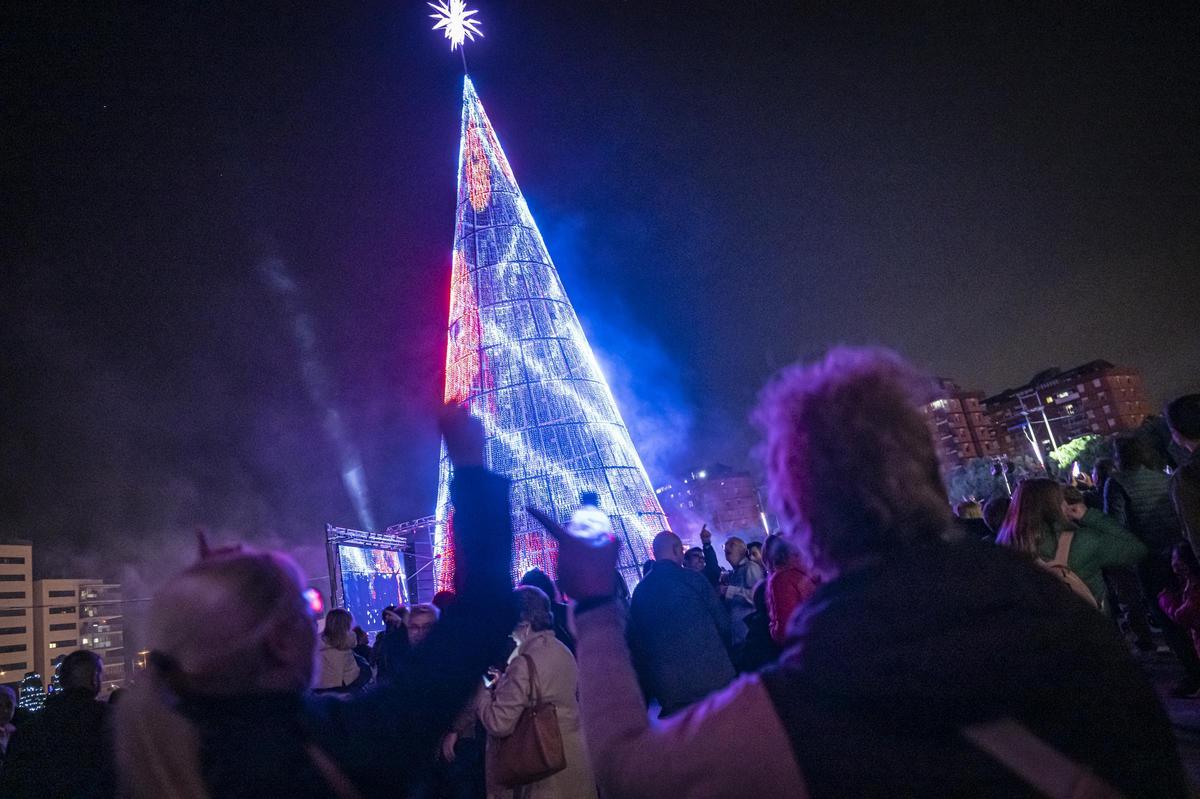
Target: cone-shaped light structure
[516, 354]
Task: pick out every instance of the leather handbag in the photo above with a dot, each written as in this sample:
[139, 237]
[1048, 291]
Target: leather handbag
[534, 750]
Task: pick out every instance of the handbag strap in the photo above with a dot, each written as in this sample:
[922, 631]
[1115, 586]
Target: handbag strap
[535, 693]
[1047, 770]
[335, 778]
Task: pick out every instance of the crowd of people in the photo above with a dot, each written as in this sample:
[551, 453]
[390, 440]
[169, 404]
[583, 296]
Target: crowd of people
[882, 644]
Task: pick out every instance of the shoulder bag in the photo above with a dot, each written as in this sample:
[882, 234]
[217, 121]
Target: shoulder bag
[534, 750]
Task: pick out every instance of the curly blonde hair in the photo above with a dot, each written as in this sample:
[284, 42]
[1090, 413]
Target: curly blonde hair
[852, 469]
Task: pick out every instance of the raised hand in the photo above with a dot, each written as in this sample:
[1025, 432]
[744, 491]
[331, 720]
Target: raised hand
[463, 434]
[481, 525]
[585, 565]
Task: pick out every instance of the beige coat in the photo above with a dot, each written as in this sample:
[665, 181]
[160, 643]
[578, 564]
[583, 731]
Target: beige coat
[336, 667]
[557, 677]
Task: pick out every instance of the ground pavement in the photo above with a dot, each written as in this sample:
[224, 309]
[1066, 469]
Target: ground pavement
[1165, 672]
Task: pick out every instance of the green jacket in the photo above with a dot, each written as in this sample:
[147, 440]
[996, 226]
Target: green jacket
[1100, 543]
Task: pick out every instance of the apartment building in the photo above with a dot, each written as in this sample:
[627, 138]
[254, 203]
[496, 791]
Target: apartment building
[16, 611]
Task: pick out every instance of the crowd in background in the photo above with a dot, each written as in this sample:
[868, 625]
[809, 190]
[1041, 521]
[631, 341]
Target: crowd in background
[880, 645]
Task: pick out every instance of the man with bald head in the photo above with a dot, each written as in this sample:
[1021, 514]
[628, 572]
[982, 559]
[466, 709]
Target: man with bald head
[678, 631]
[667, 546]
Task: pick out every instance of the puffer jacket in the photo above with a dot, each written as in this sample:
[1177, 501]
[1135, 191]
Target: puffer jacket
[1140, 499]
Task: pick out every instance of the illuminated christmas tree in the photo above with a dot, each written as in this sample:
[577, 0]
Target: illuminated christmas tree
[517, 355]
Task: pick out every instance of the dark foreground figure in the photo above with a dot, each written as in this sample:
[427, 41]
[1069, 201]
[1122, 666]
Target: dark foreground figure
[64, 751]
[227, 714]
[919, 669]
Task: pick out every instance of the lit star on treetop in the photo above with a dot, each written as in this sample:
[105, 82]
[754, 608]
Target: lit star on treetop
[454, 18]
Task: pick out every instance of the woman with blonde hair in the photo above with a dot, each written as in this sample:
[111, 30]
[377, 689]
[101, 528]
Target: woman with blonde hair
[224, 708]
[337, 668]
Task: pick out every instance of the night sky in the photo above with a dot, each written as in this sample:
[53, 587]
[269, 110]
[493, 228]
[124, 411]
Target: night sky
[724, 189]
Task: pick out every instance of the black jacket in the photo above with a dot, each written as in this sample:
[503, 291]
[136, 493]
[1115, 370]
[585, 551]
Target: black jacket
[679, 637]
[562, 627]
[886, 665]
[1185, 495]
[64, 751]
[759, 648]
[255, 745]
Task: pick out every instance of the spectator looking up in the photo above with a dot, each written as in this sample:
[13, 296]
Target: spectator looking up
[738, 587]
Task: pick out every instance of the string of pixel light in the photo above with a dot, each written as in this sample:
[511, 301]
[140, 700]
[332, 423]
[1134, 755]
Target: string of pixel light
[517, 356]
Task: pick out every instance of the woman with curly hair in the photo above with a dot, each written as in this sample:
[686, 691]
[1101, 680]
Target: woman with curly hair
[919, 667]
